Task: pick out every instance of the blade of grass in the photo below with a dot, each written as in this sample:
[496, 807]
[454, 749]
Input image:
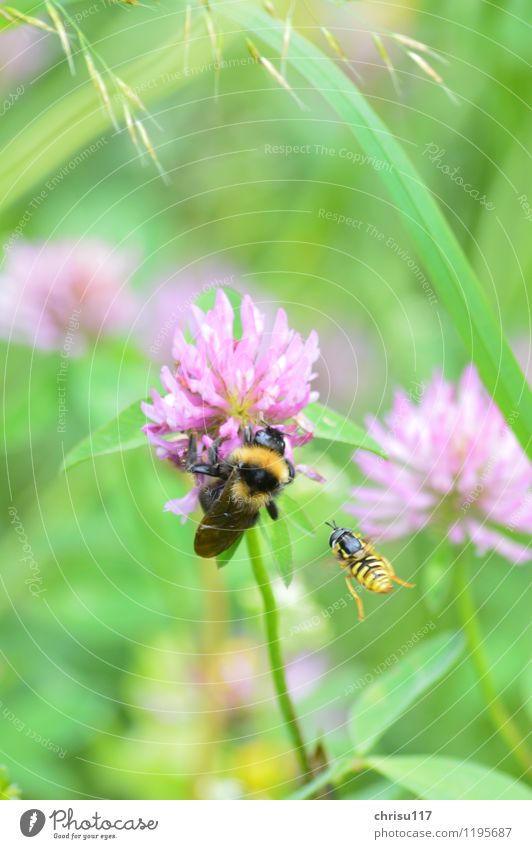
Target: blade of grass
[437, 246]
[69, 124]
[66, 126]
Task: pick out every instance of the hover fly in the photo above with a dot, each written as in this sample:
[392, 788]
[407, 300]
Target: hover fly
[363, 563]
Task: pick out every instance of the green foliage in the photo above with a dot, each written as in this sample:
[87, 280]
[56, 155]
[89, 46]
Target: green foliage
[295, 514]
[7, 790]
[434, 777]
[333, 427]
[383, 701]
[278, 536]
[226, 556]
[122, 433]
[147, 667]
[436, 582]
[438, 248]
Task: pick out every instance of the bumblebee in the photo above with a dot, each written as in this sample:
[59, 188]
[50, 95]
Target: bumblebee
[245, 482]
[363, 563]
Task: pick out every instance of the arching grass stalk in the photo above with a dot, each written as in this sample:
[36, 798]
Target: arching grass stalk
[271, 621]
[501, 719]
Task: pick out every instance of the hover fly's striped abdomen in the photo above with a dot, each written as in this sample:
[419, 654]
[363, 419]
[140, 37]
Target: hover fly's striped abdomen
[372, 573]
[363, 564]
[356, 554]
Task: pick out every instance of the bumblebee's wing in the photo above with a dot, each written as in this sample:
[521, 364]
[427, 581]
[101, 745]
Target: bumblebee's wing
[223, 524]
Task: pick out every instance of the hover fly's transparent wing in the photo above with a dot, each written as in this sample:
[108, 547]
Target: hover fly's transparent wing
[223, 524]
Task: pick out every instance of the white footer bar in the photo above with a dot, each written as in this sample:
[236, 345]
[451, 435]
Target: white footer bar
[266, 825]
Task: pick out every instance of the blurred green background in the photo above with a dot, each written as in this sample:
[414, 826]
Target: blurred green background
[139, 672]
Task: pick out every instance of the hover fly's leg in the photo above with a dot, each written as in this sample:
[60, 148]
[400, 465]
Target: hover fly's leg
[393, 577]
[271, 507]
[360, 606]
[291, 469]
[399, 581]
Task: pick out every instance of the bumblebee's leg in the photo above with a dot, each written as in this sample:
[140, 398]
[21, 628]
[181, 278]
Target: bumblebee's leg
[400, 581]
[212, 453]
[248, 435]
[291, 470]
[271, 507]
[203, 469]
[192, 451]
[358, 600]
[209, 495]
[213, 468]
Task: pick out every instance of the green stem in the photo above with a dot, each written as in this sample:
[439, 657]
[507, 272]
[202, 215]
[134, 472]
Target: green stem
[271, 620]
[501, 719]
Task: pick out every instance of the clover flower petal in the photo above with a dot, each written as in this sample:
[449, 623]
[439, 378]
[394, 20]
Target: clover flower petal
[221, 384]
[453, 463]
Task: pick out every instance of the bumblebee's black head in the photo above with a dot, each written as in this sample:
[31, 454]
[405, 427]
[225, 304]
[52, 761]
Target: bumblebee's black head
[344, 539]
[258, 479]
[270, 438]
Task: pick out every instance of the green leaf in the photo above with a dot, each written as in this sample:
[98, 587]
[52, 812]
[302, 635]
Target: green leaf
[122, 433]
[433, 777]
[334, 427]
[444, 260]
[436, 583]
[227, 555]
[7, 790]
[385, 699]
[294, 513]
[526, 689]
[333, 775]
[278, 535]
[71, 121]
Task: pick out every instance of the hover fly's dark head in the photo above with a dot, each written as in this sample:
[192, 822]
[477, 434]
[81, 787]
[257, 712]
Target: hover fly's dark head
[270, 437]
[344, 539]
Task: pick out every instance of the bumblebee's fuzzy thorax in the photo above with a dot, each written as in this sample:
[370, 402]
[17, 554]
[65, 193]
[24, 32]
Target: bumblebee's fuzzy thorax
[261, 468]
[246, 482]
